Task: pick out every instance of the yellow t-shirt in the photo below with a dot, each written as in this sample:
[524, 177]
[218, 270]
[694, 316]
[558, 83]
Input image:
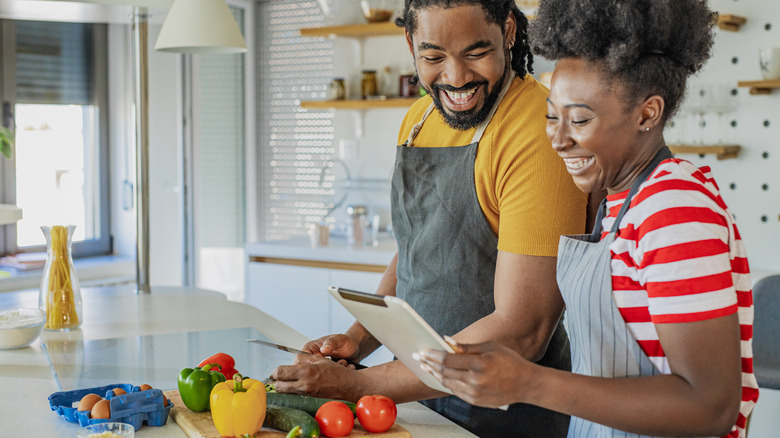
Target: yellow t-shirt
[522, 185]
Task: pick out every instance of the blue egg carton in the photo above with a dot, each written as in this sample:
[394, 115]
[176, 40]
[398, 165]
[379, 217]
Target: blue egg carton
[135, 408]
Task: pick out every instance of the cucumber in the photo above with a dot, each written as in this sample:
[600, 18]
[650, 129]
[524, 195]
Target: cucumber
[305, 403]
[285, 419]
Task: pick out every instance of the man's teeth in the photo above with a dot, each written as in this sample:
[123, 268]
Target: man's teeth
[460, 97]
[577, 163]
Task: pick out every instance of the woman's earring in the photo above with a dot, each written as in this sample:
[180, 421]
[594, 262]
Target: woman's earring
[647, 129]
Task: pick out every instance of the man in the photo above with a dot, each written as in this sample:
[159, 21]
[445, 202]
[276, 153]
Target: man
[479, 201]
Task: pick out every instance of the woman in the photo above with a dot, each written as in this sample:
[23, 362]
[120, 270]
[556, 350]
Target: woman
[658, 300]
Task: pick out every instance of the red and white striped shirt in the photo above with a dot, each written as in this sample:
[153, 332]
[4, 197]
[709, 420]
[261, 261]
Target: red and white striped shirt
[678, 257]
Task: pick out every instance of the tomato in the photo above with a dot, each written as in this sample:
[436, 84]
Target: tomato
[335, 419]
[376, 413]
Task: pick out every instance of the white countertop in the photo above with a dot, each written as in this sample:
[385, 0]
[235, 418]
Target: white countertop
[338, 250]
[115, 320]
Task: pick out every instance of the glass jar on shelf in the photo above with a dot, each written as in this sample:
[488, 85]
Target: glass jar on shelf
[337, 90]
[368, 84]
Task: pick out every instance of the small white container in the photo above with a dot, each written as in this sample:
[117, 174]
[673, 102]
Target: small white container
[106, 430]
[769, 60]
[20, 327]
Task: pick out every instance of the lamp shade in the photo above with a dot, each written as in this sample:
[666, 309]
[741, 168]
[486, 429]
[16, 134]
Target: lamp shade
[200, 26]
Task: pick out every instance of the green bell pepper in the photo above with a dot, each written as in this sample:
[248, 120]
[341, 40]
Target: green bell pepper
[195, 385]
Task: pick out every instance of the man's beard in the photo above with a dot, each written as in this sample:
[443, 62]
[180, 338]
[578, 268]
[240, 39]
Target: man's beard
[463, 120]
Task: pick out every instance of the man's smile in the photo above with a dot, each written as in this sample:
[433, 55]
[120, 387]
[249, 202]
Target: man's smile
[462, 99]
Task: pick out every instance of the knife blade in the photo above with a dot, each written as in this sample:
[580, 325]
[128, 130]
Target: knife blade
[277, 346]
[296, 351]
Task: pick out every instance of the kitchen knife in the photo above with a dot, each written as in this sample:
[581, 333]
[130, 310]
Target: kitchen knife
[277, 346]
[295, 350]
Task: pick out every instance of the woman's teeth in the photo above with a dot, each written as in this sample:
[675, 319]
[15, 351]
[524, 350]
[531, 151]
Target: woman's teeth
[577, 163]
[460, 97]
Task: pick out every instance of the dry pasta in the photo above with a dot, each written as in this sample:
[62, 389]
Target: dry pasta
[60, 301]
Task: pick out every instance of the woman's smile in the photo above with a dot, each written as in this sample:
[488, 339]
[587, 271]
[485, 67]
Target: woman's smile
[577, 165]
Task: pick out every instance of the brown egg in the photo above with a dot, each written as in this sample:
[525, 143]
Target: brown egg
[165, 401]
[102, 409]
[144, 387]
[88, 401]
[119, 391]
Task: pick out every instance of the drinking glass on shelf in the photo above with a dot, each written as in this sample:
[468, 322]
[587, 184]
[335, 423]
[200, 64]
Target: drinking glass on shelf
[674, 134]
[723, 103]
[696, 106]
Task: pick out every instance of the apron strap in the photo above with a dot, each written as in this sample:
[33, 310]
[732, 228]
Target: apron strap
[663, 154]
[416, 128]
[482, 126]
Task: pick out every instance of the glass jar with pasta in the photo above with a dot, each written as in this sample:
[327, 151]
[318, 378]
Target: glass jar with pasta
[60, 295]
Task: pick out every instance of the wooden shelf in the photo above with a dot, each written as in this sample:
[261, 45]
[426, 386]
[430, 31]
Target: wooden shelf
[760, 87]
[731, 22]
[9, 214]
[354, 30]
[721, 151]
[359, 104]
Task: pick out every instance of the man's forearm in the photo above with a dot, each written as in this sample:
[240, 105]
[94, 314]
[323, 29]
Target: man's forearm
[367, 343]
[394, 380]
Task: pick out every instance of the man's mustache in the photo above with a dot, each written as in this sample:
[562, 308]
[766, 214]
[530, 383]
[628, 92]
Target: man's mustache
[451, 89]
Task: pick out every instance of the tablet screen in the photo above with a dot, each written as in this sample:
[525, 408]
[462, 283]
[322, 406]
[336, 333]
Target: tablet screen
[394, 323]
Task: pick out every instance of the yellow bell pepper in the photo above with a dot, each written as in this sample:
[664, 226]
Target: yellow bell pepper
[238, 407]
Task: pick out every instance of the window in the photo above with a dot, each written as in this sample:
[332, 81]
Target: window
[54, 91]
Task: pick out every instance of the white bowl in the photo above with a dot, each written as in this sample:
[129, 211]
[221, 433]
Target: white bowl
[100, 430]
[20, 327]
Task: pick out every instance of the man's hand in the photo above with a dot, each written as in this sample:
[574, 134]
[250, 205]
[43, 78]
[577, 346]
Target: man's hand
[335, 346]
[317, 376]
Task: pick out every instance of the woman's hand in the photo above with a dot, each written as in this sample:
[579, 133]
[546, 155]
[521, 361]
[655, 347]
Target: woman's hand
[486, 374]
[337, 346]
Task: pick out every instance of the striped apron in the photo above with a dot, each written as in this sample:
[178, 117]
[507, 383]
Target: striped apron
[601, 344]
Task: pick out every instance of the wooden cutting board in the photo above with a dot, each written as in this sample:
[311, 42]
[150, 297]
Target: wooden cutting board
[200, 424]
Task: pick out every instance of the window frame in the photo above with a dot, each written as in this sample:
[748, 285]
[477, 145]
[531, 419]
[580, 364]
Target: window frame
[104, 243]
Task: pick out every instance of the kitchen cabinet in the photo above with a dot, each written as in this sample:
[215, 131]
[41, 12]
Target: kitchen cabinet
[289, 279]
[297, 296]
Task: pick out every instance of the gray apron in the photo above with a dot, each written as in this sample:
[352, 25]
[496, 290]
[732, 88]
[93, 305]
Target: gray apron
[601, 344]
[446, 267]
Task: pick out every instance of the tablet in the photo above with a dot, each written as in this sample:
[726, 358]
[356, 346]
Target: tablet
[394, 323]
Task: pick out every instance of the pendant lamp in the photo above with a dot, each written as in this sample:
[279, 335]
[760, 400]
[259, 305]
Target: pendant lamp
[200, 26]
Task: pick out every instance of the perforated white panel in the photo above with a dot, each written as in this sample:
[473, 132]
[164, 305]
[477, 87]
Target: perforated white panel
[294, 145]
[750, 183]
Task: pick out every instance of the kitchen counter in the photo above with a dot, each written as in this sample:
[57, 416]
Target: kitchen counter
[337, 251]
[127, 337]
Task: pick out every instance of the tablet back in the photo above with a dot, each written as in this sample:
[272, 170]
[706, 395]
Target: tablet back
[394, 323]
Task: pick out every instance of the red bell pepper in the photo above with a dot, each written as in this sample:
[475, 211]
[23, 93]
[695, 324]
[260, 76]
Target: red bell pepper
[225, 361]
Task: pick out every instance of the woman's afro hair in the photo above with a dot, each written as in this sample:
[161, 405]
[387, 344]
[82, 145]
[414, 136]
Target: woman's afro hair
[649, 46]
